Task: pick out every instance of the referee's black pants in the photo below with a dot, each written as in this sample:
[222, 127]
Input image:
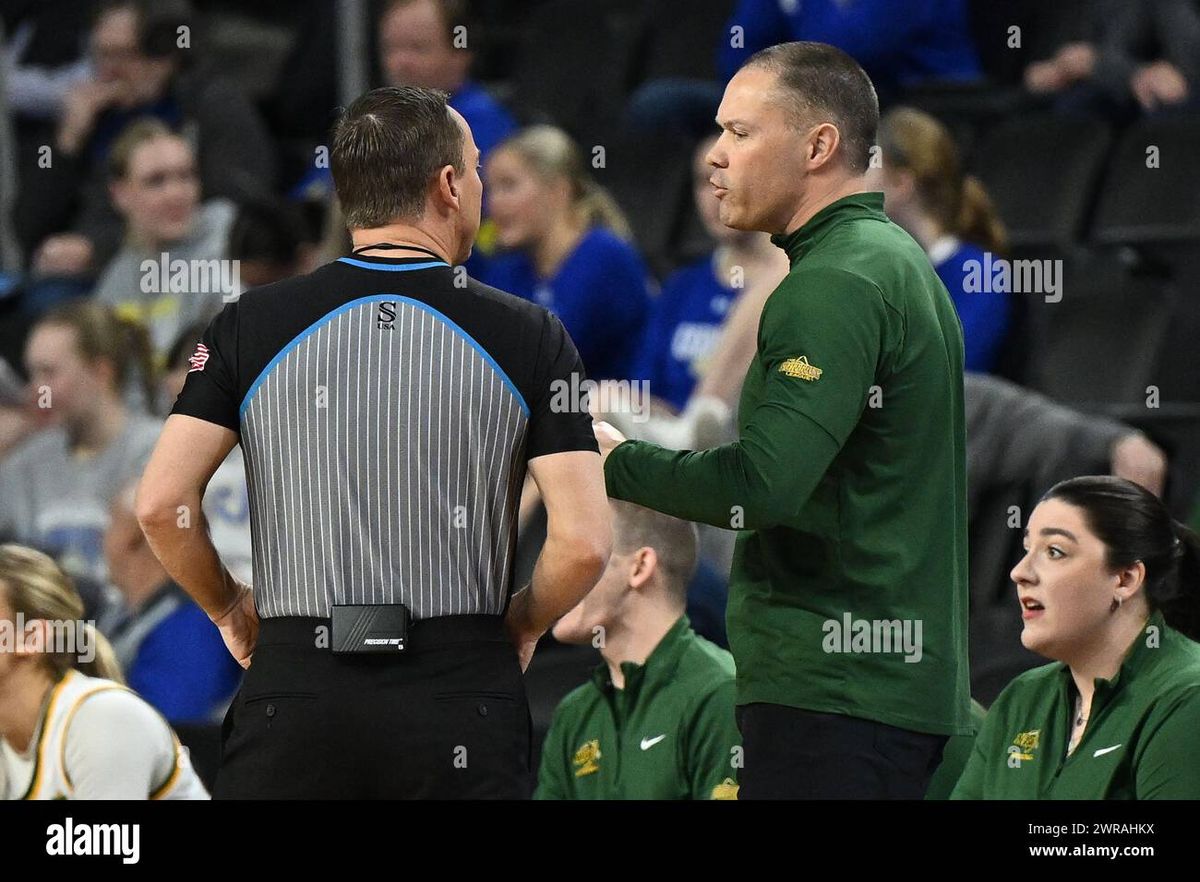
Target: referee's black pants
[791, 753]
[447, 718]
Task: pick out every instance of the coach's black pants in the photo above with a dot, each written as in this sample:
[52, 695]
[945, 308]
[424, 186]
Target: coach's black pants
[791, 753]
[446, 718]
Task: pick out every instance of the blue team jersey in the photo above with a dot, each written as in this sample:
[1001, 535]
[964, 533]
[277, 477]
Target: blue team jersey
[985, 315]
[600, 293]
[685, 323]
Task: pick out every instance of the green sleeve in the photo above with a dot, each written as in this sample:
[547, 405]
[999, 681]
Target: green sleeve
[712, 736]
[1168, 767]
[554, 768]
[971, 781]
[837, 322]
[955, 757]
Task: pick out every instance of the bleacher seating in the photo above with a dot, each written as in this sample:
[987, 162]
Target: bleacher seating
[1043, 204]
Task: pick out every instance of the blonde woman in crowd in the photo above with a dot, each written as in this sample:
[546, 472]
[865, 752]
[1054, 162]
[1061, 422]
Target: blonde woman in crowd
[69, 729]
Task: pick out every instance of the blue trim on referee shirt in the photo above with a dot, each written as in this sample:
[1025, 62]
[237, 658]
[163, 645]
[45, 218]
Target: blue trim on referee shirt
[379, 298]
[390, 267]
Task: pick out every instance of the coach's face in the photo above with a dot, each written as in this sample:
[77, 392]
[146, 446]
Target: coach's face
[469, 189]
[758, 162]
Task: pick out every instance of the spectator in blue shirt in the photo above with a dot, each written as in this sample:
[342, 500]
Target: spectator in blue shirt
[570, 248]
[899, 42]
[950, 215]
[172, 655]
[687, 318]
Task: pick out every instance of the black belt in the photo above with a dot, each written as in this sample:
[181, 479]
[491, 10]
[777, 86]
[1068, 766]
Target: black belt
[302, 632]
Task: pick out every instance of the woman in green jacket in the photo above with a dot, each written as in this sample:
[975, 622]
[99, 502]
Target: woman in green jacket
[1109, 588]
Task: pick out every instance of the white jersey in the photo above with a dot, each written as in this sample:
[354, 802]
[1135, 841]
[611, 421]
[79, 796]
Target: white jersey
[227, 508]
[98, 739]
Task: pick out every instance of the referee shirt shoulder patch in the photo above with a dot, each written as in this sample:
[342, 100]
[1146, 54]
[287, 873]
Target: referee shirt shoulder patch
[801, 369]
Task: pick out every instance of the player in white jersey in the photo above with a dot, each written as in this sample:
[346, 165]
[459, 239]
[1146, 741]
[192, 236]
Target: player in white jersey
[69, 729]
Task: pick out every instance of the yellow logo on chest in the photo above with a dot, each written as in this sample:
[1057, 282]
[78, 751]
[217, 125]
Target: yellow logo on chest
[800, 368]
[587, 758]
[1022, 748]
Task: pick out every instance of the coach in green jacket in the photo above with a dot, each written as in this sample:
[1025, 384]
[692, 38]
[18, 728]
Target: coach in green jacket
[847, 612]
[655, 721]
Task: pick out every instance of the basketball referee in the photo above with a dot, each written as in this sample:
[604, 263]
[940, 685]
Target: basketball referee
[388, 408]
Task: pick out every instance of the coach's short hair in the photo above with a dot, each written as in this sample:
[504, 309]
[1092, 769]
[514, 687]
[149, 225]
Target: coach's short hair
[387, 147]
[674, 541]
[822, 83]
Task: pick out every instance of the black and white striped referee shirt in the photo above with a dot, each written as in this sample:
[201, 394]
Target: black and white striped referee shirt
[386, 417]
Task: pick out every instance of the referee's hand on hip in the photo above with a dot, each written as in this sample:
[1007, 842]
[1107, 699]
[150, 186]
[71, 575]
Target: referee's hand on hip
[238, 625]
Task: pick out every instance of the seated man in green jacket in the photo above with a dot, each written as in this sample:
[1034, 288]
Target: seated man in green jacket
[656, 720]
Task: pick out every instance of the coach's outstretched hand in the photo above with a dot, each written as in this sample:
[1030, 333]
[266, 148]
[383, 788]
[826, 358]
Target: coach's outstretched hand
[607, 437]
[239, 625]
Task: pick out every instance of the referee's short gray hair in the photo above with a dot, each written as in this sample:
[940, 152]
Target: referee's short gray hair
[387, 147]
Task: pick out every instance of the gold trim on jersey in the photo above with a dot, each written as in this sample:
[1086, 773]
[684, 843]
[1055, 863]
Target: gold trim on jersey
[39, 764]
[173, 778]
[176, 767]
[62, 752]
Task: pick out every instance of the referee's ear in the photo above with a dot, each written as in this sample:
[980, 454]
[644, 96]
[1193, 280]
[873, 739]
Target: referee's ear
[450, 187]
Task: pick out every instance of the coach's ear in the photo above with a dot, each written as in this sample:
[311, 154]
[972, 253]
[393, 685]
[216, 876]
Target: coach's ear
[823, 142]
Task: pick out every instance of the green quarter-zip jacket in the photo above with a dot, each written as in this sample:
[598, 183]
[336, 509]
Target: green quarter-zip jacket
[848, 591]
[1142, 739]
[669, 734]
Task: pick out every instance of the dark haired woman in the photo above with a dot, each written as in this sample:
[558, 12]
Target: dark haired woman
[1108, 589]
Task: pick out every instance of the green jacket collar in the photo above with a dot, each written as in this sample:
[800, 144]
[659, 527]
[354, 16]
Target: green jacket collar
[852, 207]
[659, 665]
[1139, 656]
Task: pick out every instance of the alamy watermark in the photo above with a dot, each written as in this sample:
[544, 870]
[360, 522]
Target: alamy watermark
[999, 275]
[873, 636]
[165, 275]
[70, 839]
[576, 395]
[57, 636]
